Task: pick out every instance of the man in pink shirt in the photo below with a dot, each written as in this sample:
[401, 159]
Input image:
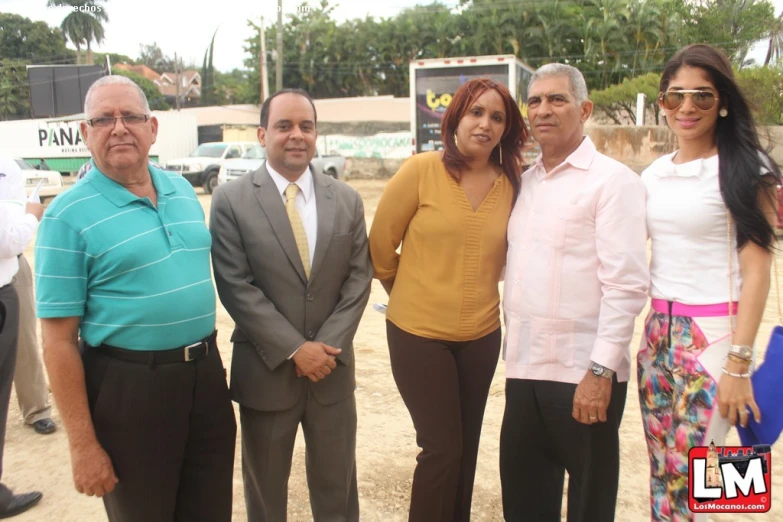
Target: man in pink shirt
[576, 279]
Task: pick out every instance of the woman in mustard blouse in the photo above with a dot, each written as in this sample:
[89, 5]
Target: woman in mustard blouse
[449, 209]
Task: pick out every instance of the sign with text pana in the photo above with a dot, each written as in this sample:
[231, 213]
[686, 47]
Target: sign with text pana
[63, 137]
[727, 479]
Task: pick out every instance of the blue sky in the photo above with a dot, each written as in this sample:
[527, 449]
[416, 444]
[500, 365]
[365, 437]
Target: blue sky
[179, 26]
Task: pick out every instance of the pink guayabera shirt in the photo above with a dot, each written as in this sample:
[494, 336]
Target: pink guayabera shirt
[577, 274]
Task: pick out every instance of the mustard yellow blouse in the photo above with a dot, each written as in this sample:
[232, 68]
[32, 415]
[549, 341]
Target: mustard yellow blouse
[447, 273]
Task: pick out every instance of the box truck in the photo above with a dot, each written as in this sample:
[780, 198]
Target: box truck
[433, 82]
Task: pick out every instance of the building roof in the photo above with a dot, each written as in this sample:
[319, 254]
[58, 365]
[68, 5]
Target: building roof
[142, 70]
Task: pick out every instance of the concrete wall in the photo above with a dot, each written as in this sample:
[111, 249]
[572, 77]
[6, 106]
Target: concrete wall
[636, 147]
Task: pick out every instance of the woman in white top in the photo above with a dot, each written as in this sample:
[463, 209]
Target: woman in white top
[710, 213]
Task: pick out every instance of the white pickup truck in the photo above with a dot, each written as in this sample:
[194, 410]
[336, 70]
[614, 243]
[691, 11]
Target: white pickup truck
[253, 158]
[202, 166]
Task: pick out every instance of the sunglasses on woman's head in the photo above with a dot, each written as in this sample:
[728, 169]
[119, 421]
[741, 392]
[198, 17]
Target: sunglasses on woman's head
[703, 100]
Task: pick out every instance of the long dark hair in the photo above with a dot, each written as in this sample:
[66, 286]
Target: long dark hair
[740, 155]
[515, 134]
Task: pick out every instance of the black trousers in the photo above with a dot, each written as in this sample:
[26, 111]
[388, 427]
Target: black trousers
[540, 440]
[170, 432]
[9, 333]
[445, 385]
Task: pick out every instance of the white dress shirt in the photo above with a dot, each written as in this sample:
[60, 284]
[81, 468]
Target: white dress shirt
[577, 273]
[304, 202]
[16, 227]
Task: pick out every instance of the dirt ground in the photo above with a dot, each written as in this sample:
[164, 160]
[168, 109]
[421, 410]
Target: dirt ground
[386, 447]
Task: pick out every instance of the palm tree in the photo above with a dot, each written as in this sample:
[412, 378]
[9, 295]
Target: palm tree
[645, 30]
[775, 42]
[83, 26]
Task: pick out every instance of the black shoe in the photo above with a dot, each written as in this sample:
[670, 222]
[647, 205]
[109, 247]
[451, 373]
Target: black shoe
[20, 504]
[44, 426]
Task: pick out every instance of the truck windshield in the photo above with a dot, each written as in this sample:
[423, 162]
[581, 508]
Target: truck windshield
[254, 153]
[24, 165]
[210, 150]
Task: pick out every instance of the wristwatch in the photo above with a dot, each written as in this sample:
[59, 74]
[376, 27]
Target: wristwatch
[743, 351]
[601, 371]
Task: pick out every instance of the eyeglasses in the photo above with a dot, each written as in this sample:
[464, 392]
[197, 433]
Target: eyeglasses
[702, 100]
[129, 119]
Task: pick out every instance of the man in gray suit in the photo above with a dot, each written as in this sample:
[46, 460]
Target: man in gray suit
[292, 269]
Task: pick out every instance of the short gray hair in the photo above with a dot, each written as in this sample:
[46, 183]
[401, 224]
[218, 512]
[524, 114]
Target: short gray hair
[114, 79]
[575, 78]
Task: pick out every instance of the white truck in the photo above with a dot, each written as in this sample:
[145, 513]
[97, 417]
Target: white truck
[201, 167]
[433, 83]
[59, 140]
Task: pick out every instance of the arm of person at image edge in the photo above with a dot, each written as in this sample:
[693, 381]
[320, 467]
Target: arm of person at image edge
[735, 394]
[396, 208]
[93, 472]
[621, 246]
[19, 229]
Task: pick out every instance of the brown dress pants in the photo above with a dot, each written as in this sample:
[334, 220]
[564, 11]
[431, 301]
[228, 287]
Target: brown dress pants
[444, 385]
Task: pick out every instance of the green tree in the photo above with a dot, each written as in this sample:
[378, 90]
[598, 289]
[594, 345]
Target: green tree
[775, 49]
[14, 90]
[154, 97]
[84, 24]
[618, 102]
[114, 58]
[733, 25]
[208, 90]
[152, 56]
[763, 87]
[23, 39]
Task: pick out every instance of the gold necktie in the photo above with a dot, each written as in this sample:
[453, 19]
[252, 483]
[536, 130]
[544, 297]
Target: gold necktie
[296, 225]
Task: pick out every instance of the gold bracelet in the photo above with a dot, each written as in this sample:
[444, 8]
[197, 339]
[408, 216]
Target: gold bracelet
[737, 359]
[738, 375]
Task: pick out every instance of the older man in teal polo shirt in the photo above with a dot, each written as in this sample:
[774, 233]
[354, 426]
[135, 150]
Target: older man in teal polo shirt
[122, 260]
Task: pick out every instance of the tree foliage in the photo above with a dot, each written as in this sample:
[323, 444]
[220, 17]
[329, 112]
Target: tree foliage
[618, 102]
[763, 87]
[83, 24]
[608, 40]
[14, 90]
[153, 57]
[151, 91]
[23, 39]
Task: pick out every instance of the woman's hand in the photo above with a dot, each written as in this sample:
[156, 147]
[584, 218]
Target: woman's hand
[735, 395]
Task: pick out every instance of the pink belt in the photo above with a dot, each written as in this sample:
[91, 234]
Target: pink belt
[712, 310]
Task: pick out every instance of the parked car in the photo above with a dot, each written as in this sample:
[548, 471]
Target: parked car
[333, 166]
[234, 168]
[202, 166]
[52, 180]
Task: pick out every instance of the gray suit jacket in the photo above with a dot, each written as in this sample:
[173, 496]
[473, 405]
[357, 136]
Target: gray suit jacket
[261, 282]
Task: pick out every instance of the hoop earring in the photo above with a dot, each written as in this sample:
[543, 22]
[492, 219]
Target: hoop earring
[723, 113]
[500, 149]
[456, 142]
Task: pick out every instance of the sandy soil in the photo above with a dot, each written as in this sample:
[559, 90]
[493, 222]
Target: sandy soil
[386, 441]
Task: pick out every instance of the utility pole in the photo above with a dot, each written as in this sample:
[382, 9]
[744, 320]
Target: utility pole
[279, 63]
[176, 75]
[264, 74]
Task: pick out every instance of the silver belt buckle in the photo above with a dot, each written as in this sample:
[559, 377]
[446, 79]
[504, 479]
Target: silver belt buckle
[188, 358]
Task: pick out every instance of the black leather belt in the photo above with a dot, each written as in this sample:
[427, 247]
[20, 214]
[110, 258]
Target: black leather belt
[191, 352]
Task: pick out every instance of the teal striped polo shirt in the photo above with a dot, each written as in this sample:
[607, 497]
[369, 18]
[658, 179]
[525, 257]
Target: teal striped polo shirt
[139, 277]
